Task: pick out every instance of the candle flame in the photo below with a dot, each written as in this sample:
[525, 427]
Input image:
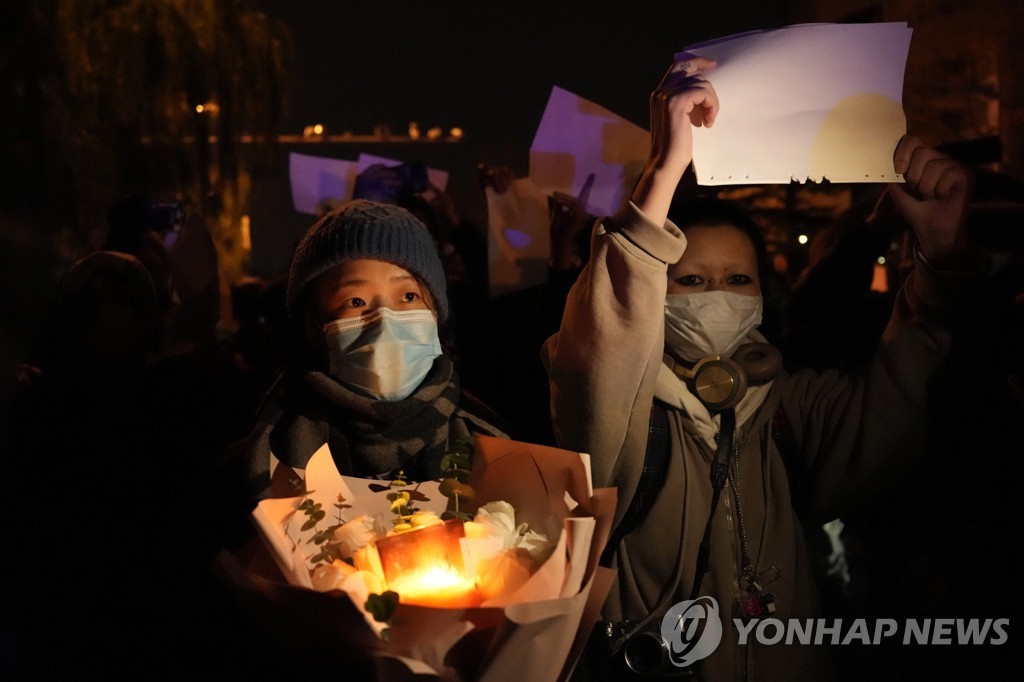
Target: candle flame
[436, 585]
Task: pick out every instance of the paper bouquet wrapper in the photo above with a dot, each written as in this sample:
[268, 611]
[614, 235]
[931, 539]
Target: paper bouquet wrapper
[536, 631]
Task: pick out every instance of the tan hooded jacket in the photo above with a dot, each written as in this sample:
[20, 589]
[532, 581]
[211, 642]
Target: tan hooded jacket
[853, 433]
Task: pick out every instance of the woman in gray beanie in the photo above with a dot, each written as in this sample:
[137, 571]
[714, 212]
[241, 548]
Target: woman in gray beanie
[366, 291]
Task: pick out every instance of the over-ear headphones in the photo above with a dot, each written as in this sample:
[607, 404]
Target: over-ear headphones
[721, 383]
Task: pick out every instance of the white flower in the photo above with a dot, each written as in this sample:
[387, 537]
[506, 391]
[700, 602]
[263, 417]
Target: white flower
[327, 577]
[352, 535]
[498, 520]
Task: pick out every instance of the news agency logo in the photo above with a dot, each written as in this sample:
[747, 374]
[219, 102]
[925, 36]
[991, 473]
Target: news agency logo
[692, 630]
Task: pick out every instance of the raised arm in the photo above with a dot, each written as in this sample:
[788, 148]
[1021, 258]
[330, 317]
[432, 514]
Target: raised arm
[861, 432]
[603, 363]
[683, 99]
[933, 200]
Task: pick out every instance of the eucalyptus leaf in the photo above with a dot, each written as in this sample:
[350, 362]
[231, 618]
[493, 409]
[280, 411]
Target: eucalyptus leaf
[382, 606]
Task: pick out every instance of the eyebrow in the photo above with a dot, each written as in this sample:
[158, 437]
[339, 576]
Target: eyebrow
[350, 282]
[731, 267]
[355, 281]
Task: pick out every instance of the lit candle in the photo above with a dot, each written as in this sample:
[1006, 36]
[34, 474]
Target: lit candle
[441, 586]
[424, 566]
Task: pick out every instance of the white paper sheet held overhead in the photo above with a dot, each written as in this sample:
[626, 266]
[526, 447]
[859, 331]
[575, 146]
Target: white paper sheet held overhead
[805, 102]
[580, 149]
[518, 244]
[437, 177]
[577, 137]
[317, 181]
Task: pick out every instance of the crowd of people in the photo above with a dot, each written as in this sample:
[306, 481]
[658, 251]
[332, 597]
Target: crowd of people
[855, 464]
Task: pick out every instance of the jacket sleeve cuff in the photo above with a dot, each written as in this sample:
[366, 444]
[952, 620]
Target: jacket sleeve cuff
[664, 242]
[943, 294]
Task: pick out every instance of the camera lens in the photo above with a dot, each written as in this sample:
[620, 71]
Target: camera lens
[645, 653]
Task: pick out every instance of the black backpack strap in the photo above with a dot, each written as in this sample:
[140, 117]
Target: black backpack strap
[652, 478]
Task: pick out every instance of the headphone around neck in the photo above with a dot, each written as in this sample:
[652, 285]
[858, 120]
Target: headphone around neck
[720, 383]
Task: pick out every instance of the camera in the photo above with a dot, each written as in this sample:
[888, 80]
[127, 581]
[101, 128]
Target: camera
[413, 178]
[643, 655]
[646, 655]
[390, 184]
[164, 216]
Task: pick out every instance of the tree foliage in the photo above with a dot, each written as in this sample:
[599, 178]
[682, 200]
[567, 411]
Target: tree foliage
[101, 101]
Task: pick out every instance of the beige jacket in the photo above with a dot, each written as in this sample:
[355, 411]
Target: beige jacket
[852, 433]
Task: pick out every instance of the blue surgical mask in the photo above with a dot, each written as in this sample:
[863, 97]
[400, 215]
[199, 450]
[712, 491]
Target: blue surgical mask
[385, 354]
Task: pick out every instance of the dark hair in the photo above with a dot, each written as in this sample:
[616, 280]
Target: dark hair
[110, 278]
[705, 211]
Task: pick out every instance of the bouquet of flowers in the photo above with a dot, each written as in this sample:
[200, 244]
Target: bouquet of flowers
[488, 574]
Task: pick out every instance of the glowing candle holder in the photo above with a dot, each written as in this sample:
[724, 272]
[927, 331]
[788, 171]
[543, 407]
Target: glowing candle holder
[424, 566]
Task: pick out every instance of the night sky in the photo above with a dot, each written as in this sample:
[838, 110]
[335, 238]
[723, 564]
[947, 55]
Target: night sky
[487, 67]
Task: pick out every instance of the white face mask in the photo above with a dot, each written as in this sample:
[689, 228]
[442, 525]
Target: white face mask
[386, 354]
[709, 323]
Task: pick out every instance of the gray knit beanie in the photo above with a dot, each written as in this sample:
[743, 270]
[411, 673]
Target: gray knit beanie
[366, 229]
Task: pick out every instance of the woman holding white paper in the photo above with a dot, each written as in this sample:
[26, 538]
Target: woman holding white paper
[728, 509]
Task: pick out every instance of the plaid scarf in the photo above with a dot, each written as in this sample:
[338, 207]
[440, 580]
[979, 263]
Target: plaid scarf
[368, 437]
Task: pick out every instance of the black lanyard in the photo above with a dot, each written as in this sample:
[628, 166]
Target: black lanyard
[719, 474]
